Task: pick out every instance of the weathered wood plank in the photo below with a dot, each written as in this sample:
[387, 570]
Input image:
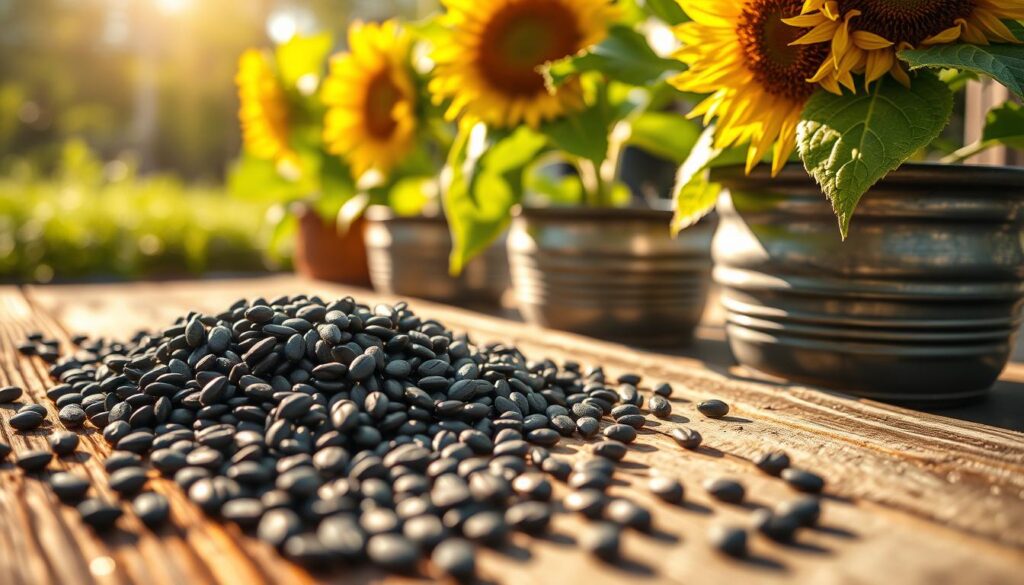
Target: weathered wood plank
[916, 498]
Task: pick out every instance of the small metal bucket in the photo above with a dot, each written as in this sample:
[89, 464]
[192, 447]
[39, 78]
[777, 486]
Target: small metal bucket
[409, 256]
[920, 305]
[615, 274]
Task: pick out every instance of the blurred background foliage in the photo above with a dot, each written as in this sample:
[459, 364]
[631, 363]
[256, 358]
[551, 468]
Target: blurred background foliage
[118, 127]
[153, 77]
[95, 219]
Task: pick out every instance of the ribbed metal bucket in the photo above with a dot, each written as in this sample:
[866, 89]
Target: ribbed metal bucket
[920, 305]
[615, 274]
[409, 256]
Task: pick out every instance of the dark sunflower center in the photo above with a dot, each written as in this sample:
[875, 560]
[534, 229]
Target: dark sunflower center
[521, 37]
[906, 20]
[381, 96]
[780, 68]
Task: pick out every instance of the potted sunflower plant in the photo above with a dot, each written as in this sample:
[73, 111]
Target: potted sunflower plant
[395, 141]
[285, 163]
[537, 85]
[918, 299]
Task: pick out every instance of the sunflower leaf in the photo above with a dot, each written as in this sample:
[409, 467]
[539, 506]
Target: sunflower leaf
[1004, 125]
[623, 56]
[849, 142]
[664, 134]
[1016, 27]
[1004, 63]
[485, 180]
[694, 195]
[669, 11]
[584, 133]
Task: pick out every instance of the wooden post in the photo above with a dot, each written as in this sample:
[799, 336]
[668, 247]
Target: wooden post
[982, 96]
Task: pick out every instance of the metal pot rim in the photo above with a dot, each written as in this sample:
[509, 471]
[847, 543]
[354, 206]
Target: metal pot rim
[947, 175]
[383, 213]
[594, 214]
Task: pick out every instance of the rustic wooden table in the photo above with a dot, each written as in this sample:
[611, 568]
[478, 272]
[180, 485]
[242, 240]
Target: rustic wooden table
[912, 497]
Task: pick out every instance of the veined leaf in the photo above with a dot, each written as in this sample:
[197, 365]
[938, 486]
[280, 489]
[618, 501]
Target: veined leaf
[1004, 63]
[485, 173]
[623, 56]
[849, 142]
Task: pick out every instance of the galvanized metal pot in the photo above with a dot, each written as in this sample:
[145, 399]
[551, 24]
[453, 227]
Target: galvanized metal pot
[409, 256]
[920, 305]
[615, 274]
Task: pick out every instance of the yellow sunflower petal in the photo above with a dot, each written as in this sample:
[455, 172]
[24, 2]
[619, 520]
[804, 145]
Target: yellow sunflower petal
[899, 74]
[820, 33]
[489, 66]
[878, 64]
[756, 92]
[370, 119]
[869, 41]
[947, 36]
[805, 20]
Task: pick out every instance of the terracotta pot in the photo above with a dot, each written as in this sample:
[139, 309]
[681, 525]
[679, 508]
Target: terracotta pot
[919, 306]
[409, 256]
[615, 274]
[323, 254]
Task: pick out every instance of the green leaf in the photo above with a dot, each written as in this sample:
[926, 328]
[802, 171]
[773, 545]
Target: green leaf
[1016, 27]
[669, 11]
[430, 29]
[583, 134]
[548, 189]
[258, 179]
[849, 142]
[623, 56]
[302, 56]
[486, 180]
[408, 196]
[694, 195]
[1004, 63]
[281, 227]
[667, 135]
[336, 176]
[1004, 125]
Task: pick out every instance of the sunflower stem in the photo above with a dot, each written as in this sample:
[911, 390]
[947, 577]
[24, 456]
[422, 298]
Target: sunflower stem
[590, 178]
[966, 152]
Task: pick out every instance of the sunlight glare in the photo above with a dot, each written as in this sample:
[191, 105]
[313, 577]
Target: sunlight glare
[173, 6]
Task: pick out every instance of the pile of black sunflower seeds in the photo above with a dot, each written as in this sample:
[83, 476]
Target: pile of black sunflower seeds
[341, 433]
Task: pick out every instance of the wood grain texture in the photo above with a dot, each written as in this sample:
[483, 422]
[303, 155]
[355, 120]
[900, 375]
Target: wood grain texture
[913, 497]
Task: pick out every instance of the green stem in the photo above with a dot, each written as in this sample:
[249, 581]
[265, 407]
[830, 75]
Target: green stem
[966, 152]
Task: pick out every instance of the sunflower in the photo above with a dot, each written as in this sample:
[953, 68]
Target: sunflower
[489, 65]
[263, 110]
[371, 98]
[866, 34]
[741, 53]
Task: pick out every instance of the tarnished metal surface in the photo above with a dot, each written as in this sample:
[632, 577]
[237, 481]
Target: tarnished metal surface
[610, 273]
[409, 256]
[921, 303]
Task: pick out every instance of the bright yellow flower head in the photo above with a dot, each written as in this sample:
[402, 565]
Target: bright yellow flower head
[371, 98]
[865, 34]
[489, 66]
[740, 52]
[263, 110]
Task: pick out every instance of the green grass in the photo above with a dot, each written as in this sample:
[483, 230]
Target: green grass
[80, 225]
